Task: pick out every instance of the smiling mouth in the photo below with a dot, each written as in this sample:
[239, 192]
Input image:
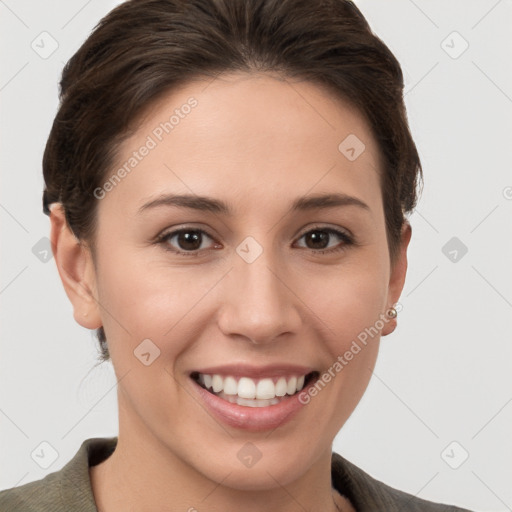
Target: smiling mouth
[250, 392]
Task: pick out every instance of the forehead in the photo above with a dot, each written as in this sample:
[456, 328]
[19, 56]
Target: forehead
[254, 139]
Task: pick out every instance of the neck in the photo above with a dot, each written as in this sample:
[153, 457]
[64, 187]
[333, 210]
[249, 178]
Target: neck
[141, 475]
[143, 472]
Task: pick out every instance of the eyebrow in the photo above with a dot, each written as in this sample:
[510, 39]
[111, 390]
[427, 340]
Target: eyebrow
[209, 204]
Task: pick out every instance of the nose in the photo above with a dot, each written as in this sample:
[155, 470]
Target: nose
[258, 301]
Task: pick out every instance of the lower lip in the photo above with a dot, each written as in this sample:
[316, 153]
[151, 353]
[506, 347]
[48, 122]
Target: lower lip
[251, 418]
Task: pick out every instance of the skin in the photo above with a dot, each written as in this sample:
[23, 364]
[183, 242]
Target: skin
[257, 142]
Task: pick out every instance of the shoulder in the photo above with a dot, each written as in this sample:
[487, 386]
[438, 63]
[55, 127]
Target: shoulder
[369, 494]
[41, 496]
[61, 491]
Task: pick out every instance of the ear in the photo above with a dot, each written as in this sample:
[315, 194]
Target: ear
[397, 277]
[76, 270]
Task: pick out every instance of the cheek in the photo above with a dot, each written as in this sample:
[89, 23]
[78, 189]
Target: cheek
[352, 309]
[350, 303]
[349, 299]
[144, 299]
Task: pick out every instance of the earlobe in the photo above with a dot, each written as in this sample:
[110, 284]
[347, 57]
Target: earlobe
[397, 278]
[76, 270]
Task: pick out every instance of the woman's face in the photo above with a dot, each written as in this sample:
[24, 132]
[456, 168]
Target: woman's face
[260, 292]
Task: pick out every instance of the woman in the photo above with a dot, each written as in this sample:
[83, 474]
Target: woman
[227, 183]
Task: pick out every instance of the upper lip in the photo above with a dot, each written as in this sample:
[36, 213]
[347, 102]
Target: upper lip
[244, 370]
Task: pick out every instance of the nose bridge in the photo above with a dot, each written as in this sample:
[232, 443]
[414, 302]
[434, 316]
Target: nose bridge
[257, 304]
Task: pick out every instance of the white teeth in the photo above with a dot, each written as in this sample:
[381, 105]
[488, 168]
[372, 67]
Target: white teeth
[265, 389]
[230, 386]
[247, 401]
[281, 387]
[246, 388]
[257, 392]
[292, 386]
[217, 383]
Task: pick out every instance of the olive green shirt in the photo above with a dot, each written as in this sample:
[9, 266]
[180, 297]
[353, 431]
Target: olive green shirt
[69, 489]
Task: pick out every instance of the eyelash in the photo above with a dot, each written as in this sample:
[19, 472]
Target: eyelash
[164, 238]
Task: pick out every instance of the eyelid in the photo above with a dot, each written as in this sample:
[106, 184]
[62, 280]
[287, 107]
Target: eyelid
[324, 227]
[184, 227]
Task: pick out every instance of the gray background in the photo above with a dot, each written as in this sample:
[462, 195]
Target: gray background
[442, 385]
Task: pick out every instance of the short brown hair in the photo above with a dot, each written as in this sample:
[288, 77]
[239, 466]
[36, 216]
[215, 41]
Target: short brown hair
[144, 48]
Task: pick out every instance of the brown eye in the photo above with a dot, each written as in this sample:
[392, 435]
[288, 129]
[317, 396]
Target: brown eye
[189, 240]
[185, 241]
[318, 240]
